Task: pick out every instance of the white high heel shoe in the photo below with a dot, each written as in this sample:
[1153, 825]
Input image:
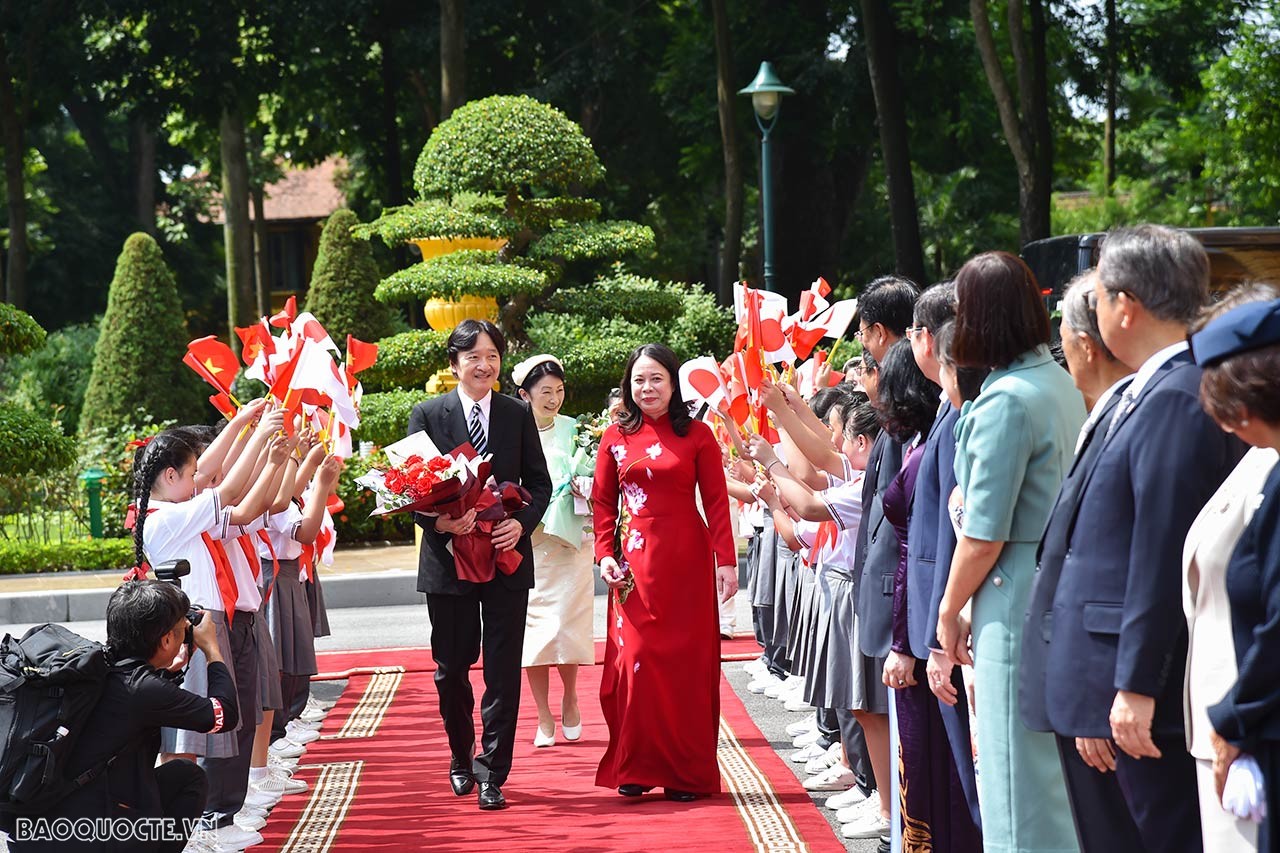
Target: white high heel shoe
[540, 739]
[571, 732]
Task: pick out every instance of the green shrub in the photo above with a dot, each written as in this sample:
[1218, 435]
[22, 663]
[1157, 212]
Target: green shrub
[629, 297]
[354, 523]
[137, 362]
[31, 442]
[589, 241]
[471, 271]
[107, 448]
[504, 142]
[20, 557]
[342, 283]
[703, 328]
[19, 332]
[407, 360]
[52, 380]
[436, 218]
[384, 417]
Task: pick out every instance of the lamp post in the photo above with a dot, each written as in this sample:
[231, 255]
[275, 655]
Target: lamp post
[766, 93]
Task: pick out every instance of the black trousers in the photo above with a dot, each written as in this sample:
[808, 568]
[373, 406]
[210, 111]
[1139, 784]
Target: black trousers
[229, 777]
[490, 616]
[183, 790]
[828, 727]
[855, 749]
[294, 692]
[1145, 805]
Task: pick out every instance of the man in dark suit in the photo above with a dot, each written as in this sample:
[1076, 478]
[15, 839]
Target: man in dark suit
[1118, 640]
[1102, 379]
[466, 616]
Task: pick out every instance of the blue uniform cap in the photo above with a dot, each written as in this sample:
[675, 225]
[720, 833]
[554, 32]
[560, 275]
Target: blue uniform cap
[1249, 327]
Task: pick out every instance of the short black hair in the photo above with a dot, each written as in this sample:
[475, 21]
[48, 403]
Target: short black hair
[968, 379]
[465, 334]
[905, 398]
[862, 420]
[888, 300]
[826, 399]
[139, 614]
[936, 306]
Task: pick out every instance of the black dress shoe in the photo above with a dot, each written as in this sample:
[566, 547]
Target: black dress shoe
[679, 796]
[491, 798]
[461, 779]
[632, 790]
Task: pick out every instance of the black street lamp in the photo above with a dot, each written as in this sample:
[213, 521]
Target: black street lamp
[766, 93]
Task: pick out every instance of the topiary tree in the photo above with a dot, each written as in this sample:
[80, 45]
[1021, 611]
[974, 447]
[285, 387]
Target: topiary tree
[137, 361]
[29, 442]
[343, 281]
[504, 167]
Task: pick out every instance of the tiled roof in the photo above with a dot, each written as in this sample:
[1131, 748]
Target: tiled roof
[302, 194]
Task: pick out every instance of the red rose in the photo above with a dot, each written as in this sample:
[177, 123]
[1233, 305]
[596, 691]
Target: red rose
[438, 464]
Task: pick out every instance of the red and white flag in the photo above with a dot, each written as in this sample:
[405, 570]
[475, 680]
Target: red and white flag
[701, 382]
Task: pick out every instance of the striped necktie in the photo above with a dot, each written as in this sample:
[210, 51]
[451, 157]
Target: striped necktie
[1125, 405]
[476, 429]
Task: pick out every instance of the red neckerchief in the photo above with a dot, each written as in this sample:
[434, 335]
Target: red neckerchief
[828, 534]
[250, 551]
[275, 562]
[227, 587]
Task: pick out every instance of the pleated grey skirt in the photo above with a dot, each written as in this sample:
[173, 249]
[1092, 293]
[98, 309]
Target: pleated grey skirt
[784, 590]
[804, 615]
[291, 628]
[843, 677]
[766, 569]
[753, 566]
[315, 602]
[196, 680]
[268, 657]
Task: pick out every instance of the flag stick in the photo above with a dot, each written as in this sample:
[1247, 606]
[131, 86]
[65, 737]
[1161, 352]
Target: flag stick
[831, 355]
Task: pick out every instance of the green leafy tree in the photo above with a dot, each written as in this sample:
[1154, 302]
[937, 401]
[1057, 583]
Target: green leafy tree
[137, 362]
[343, 281]
[29, 442]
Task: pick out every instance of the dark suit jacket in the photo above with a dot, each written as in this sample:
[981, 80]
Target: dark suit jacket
[517, 456]
[1117, 614]
[931, 537]
[1038, 626]
[876, 556]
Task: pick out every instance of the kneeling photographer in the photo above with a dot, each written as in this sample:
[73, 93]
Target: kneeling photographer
[144, 807]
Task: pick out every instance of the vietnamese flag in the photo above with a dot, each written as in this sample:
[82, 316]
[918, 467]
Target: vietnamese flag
[254, 341]
[218, 364]
[360, 355]
[284, 318]
[223, 404]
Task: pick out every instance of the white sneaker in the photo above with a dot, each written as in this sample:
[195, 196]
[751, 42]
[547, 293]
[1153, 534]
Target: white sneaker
[302, 737]
[261, 799]
[764, 682]
[796, 702]
[800, 727]
[835, 778]
[868, 806]
[203, 841]
[802, 740]
[233, 837]
[279, 782]
[250, 822]
[251, 811]
[302, 725]
[322, 704]
[844, 799]
[807, 753]
[286, 747]
[755, 667]
[312, 715]
[822, 762]
[774, 689]
[868, 826]
[289, 764]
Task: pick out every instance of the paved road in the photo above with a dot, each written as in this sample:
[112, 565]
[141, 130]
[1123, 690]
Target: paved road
[375, 627]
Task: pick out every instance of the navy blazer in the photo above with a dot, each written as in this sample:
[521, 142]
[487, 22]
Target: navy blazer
[1248, 713]
[1037, 628]
[931, 538]
[1117, 614]
[516, 456]
[876, 557]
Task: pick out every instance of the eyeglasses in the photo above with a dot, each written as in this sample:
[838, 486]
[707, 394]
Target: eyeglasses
[858, 334]
[857, 370]
[912, 331]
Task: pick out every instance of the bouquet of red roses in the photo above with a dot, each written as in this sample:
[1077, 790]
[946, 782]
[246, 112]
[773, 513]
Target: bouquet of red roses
[421, 484]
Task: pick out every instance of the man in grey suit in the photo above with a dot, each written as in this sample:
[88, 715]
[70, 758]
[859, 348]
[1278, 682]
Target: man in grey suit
[466, 616]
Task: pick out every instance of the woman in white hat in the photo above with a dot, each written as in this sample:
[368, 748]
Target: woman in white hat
[559, 622]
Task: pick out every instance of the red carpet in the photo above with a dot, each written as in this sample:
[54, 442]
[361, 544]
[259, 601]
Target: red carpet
[381, 784]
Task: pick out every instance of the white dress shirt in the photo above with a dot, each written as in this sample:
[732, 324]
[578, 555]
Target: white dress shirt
[1099, 406]
[468, 404]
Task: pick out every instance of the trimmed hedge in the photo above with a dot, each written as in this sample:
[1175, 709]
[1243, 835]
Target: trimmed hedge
[435, 218]
[343, 281]
[52, 380]
[468, 272]
[19, 332]
[384, 416]
[502, 142]
[590, 241]
[407, 360]
[70, 556]
[30, 442]
[629, 297]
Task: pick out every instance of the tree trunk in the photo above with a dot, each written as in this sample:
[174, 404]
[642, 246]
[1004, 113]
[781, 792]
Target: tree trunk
[881, 41]
[1033, 184]
[725, 94]
[1041, 125]
[453, 56]
[236, 230]
[390, 127]
[12, 135]
[261, 251]
[144, 172]
[1109, 127]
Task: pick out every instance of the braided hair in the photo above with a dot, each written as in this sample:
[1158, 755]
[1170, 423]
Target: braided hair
[168, 449]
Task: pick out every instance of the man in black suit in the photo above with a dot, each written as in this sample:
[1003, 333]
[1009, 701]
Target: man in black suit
[1118, 639]
[1102, 379]
[466, 616]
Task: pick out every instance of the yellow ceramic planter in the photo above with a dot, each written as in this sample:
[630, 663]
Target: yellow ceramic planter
[433, 247]
[444, 314]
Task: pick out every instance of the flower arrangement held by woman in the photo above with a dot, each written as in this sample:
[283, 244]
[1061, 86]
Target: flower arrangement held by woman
[660, 686]
[558, 625]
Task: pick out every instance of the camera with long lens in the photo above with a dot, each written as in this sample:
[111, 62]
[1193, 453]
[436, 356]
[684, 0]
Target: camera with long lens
[173, 571]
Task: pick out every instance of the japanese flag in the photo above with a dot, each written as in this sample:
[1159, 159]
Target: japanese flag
[700, 380]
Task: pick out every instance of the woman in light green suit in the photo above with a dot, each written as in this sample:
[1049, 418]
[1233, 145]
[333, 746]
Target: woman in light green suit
[1014, 445]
